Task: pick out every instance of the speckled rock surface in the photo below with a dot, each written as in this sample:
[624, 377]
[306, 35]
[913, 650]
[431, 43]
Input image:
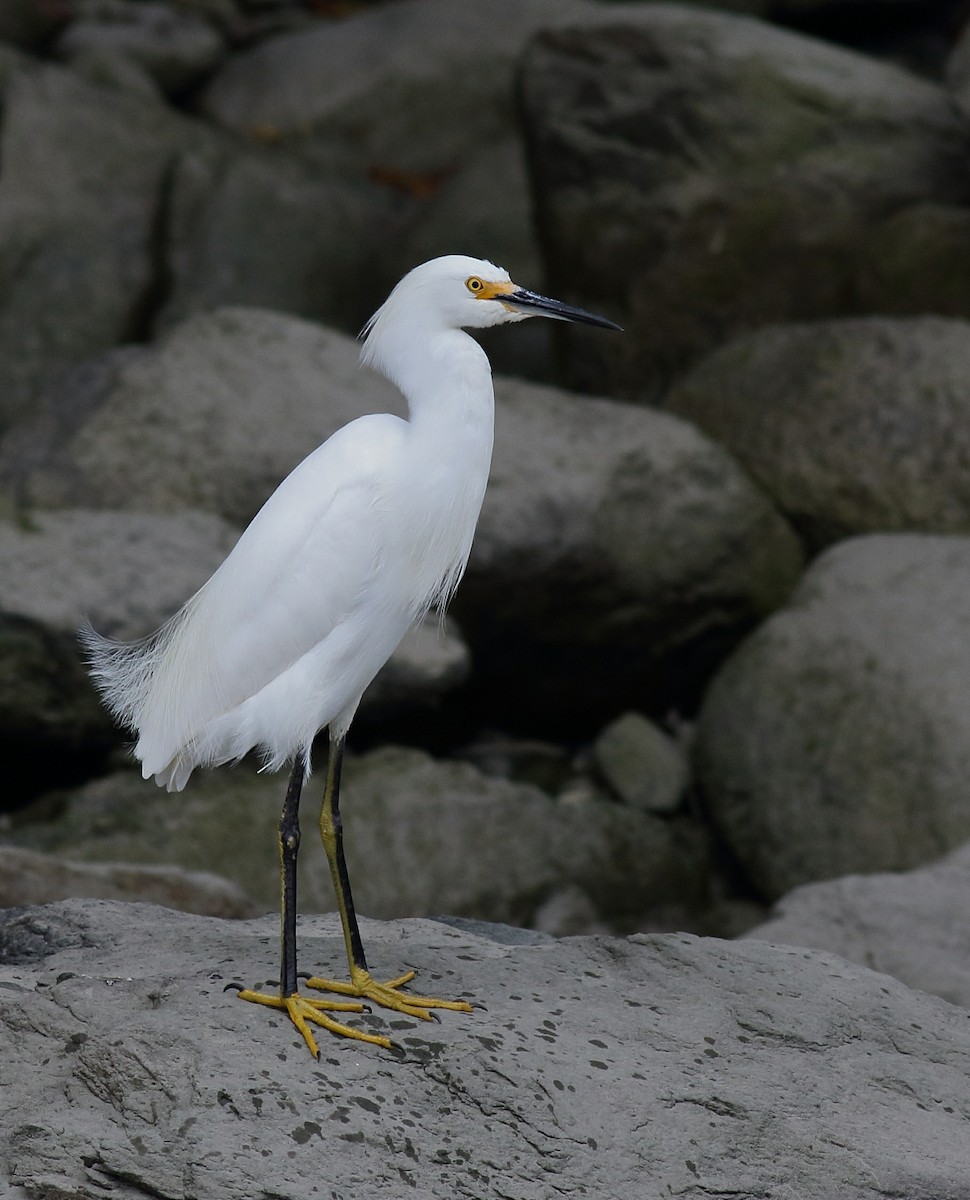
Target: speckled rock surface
[647, 1067]
[914, 925]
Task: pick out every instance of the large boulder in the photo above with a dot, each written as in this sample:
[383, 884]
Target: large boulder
[914, 925]
[617, 546]
[316, 256]
[80, 194]
[212, 416]
[176, 47]
[378, 83]
[423, 837]
[614, 540]
[27, 23]
[837, 738]
[124, 572]
[362, 99]
[27, 877]
[856, 425]
[699, 174]
[602, 1066]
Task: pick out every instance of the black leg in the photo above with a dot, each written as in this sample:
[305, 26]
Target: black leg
[301, 1011]
[331, 831]
[289, 846]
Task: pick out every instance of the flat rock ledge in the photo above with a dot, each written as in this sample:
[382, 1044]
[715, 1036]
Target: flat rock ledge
[649, 1066]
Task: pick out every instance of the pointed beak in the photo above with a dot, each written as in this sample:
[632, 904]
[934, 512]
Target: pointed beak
[534, 305]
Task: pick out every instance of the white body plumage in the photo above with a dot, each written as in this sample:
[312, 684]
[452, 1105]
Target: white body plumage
[368, 532]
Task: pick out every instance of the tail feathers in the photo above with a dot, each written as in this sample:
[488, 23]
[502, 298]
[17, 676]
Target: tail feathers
[136, 683]
[122, 672]
[173, 776]
[164, 689]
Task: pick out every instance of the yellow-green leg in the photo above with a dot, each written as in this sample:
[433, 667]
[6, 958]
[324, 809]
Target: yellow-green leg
[301, 1010]
[361, 984]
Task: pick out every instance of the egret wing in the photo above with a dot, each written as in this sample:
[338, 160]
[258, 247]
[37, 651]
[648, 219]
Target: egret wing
[308, 559]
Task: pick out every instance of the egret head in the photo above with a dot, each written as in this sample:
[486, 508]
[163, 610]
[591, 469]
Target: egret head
[459, 292]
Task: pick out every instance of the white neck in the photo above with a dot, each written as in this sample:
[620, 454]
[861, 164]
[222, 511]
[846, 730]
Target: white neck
[446, 379]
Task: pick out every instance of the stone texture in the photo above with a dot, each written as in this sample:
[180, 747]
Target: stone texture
[697, 174]
[83, 168]
[173, 45]
[361, 100]
[27, 878]
[48, 709]
[321, 255]
[380, 80]
[643, 765]
[616, 546]
[125, 572]
[212, 416]
[851, 426]
[837, 738]
[423, 837]
[605, 1066]
[914, 926]
[26, 23]
[431, 661]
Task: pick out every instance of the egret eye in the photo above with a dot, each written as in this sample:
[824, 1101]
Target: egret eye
[475, 285]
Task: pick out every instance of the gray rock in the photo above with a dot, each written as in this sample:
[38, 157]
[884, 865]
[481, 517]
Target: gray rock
[422, 837]
[27, 23]
[380, 80]
[12, 60]
[698, 174]
[176, 48]
[914, 926]
[836, 740]
[618, 546]
[261, 227]
[851, 426]
[363, 98]
[126, 573]
[83, 167]
[234, 400]
[49, 712]
[617, 1067]
[957, 72]
[27, 877]
[643, 765]
[115, 71]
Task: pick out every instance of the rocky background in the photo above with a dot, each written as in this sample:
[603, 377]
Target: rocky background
[712, 653]
[713, 640]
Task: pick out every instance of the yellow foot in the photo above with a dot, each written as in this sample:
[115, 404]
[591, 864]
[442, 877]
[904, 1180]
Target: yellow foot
[387, 994]
[301, 1010]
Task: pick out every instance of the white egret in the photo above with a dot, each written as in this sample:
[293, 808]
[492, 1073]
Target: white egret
[358, 542]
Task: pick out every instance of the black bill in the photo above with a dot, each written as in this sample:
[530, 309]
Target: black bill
[542, 306]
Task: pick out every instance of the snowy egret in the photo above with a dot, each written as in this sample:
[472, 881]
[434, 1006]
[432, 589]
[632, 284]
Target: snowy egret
[366, 535]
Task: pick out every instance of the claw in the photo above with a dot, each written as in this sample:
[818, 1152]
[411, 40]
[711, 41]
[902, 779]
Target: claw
[302, 1009]
[387, 995]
